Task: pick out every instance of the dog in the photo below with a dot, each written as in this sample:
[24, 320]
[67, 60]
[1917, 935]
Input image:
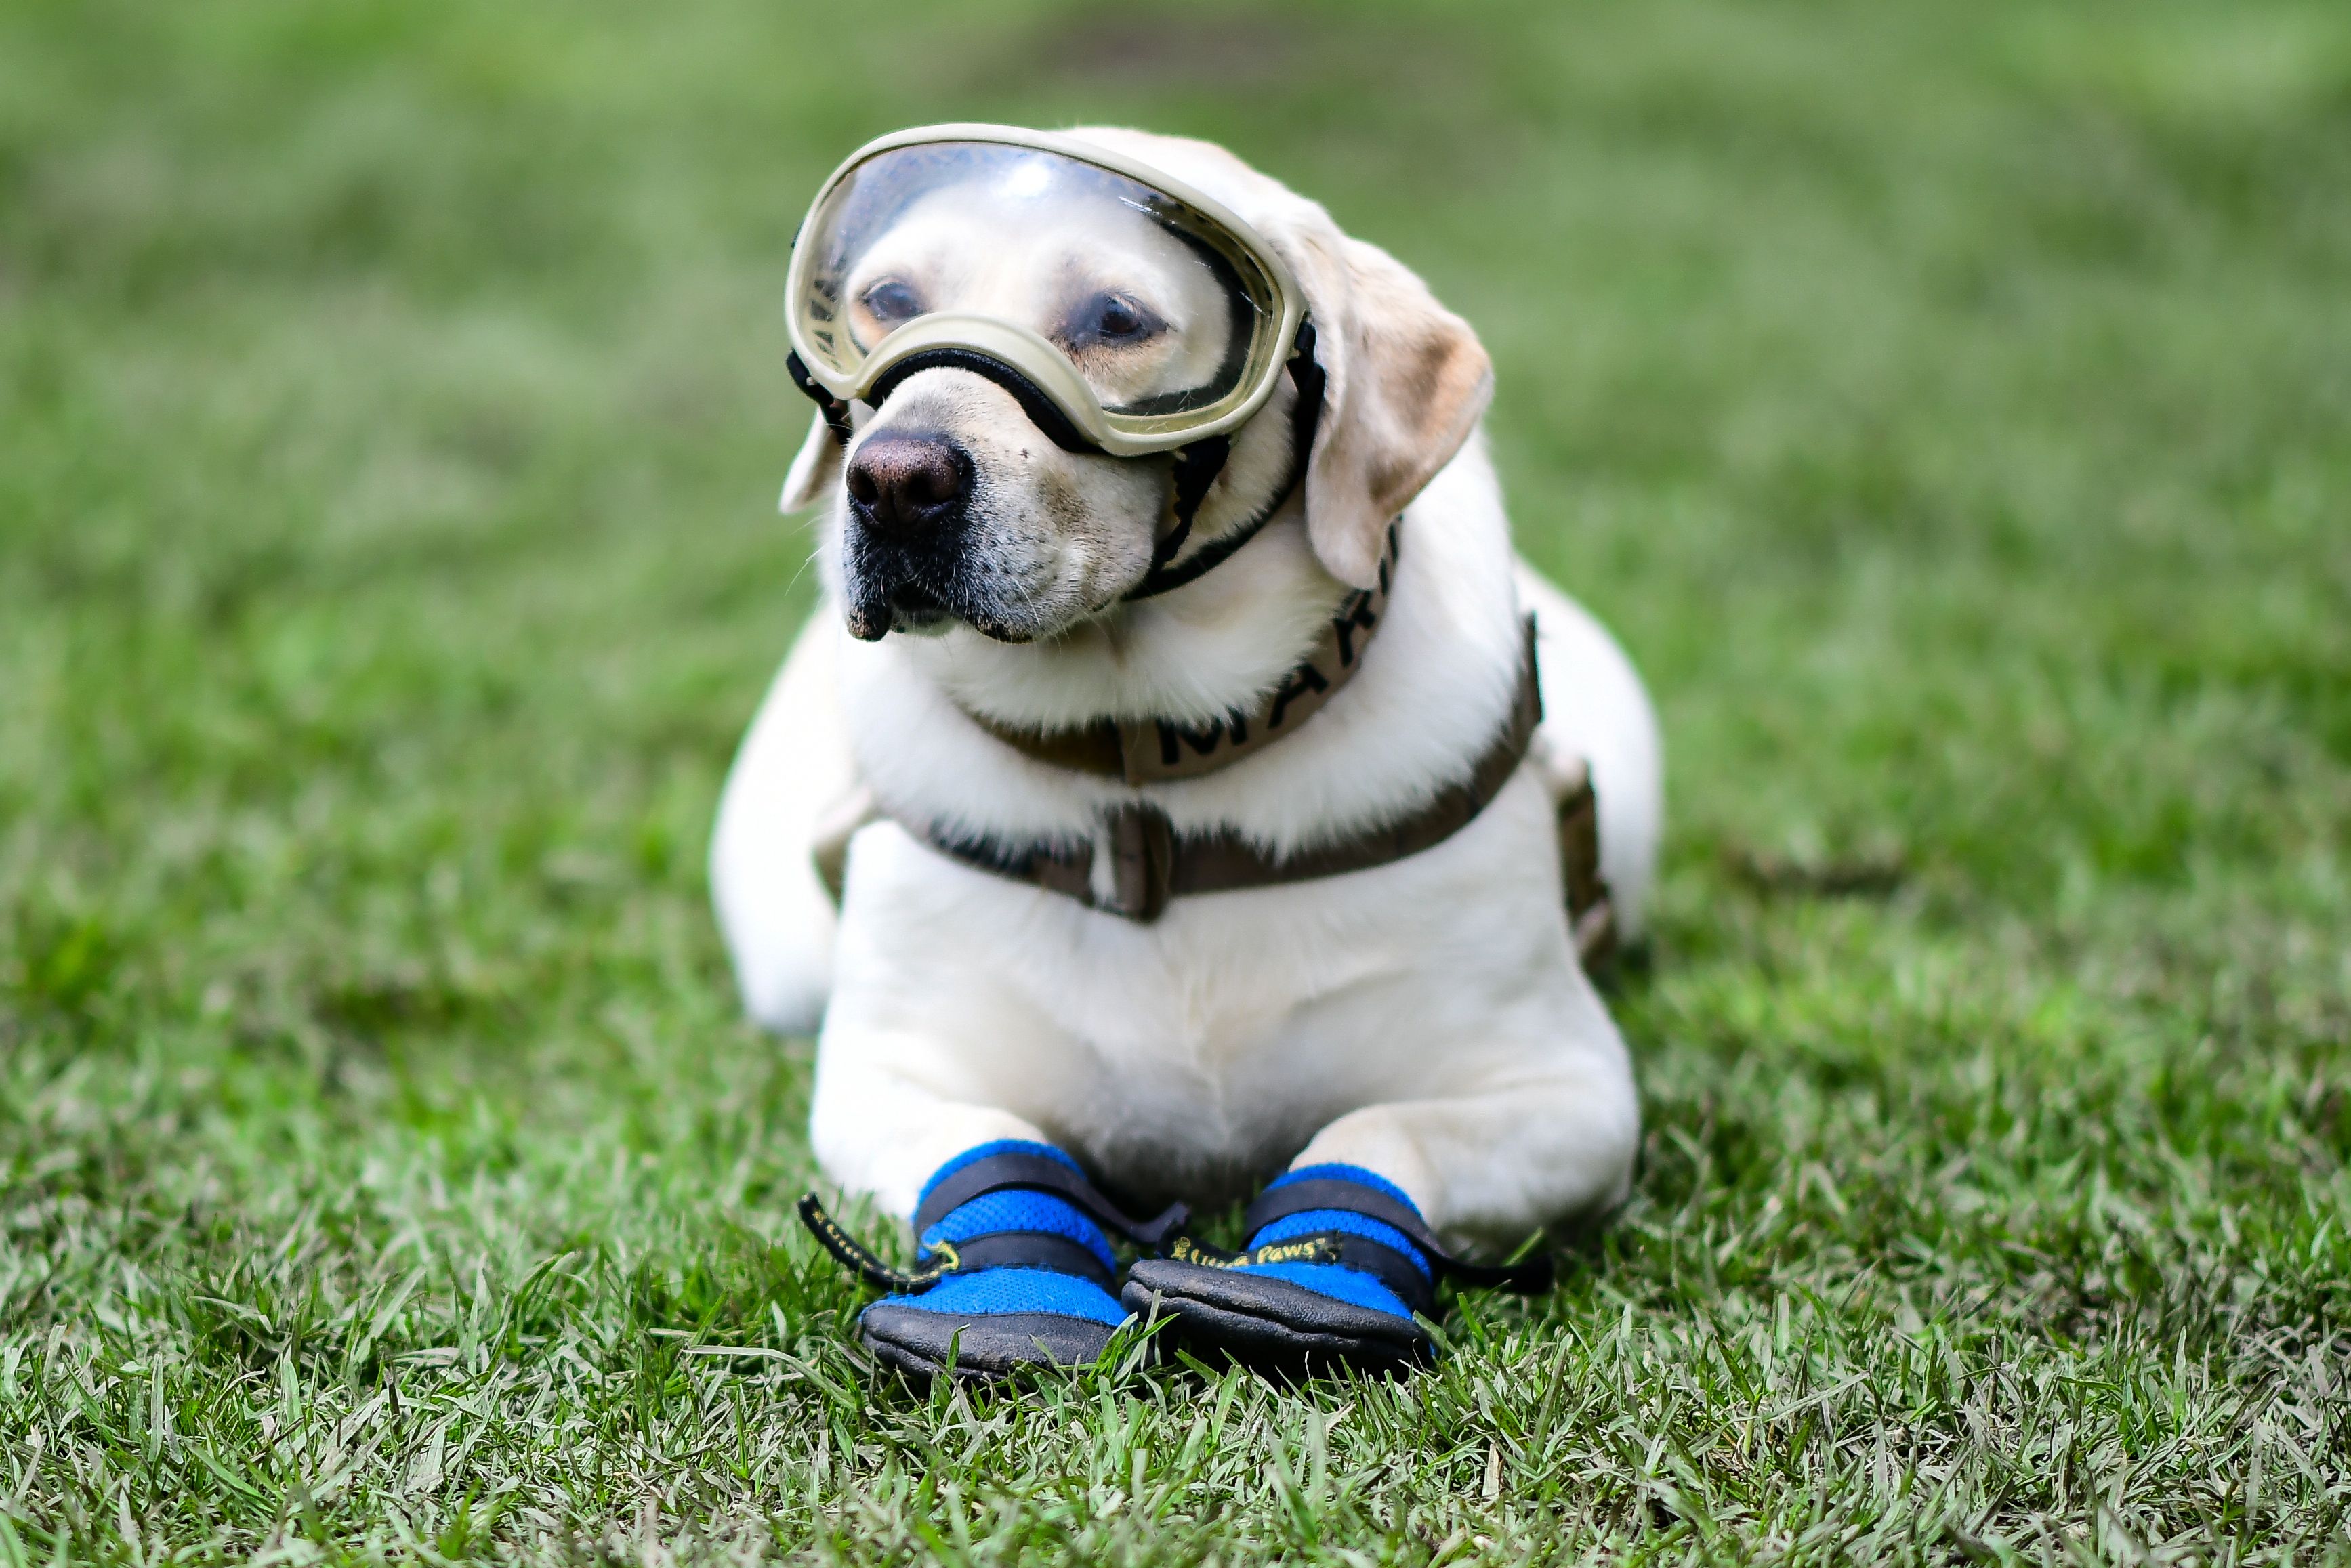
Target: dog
[1422, 1028]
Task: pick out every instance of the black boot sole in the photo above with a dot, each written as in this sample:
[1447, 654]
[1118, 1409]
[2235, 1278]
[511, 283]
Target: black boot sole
[1273, 1325]
[992, 1346]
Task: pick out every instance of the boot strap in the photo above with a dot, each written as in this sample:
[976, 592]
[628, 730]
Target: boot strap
[1036, 1173]
[1385, 1263]
[997, 1250]
[1532, 1277]
[1007, 1172]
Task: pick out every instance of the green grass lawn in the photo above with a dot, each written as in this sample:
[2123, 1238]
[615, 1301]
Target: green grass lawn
[1950, 406]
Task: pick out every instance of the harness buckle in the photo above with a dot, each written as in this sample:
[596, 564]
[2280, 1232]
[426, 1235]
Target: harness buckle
[1142, 843]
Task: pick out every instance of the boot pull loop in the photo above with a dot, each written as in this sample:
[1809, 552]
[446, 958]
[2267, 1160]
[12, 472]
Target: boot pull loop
[861, 1260]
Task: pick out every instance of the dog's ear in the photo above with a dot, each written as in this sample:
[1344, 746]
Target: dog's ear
[815, 471]
[1406, 382]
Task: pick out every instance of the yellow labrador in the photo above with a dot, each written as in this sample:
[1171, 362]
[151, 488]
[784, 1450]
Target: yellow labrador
[1424, 1017]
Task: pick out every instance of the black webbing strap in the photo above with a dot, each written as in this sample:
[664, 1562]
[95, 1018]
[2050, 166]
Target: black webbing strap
[1196, 467]
[1393, 1269]
[1033, 1250]
[1407, 1279]
[1532, 1277]
[835, 411]
[997, 1250]
[1043, 412]
[1041, 409]
[1305, 416]
[1036, 1173]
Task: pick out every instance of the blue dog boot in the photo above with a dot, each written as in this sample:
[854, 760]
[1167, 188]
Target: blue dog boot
[1338, 1264]
[1016, 1268]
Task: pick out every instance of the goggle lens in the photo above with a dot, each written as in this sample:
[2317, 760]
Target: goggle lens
[1166, 315]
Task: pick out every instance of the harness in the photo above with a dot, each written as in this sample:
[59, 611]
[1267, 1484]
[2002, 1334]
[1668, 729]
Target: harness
[1149, 862]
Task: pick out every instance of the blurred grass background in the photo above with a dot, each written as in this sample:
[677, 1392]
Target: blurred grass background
[1949, 405]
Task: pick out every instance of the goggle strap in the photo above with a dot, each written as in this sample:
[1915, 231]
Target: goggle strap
[1043, 412]
[1196, 467]
[1305, 418]
[835, 411]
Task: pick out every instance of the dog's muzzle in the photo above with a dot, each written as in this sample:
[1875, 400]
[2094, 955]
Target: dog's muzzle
[909, 495]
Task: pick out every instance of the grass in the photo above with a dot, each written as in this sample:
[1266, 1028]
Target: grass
[1946, 403]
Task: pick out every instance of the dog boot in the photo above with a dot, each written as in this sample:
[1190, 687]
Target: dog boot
[1015, 1270]
[1338, 1268]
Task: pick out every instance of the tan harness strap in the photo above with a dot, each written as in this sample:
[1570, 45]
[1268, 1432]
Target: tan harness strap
[1155, 750]
[1151, 864]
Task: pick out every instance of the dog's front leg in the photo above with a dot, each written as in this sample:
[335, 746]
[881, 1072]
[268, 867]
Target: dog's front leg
[1015, 1261]
[888, 1113]
[1344, 1250]
[1488, 1170]
[1015, 1265]
[1529, 1119]
[926, 1054]
[1013, 1252]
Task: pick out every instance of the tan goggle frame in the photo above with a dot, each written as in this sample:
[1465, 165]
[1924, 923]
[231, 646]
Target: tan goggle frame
[1028, 352]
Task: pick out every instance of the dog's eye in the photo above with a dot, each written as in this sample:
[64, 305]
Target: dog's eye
[1114, 319]
[893, 300]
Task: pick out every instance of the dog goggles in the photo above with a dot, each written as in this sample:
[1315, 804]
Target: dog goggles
[1128, 312]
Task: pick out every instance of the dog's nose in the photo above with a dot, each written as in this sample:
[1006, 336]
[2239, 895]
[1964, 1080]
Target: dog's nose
[904, 482]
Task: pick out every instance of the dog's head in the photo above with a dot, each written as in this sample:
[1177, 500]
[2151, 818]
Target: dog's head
[951, 505]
